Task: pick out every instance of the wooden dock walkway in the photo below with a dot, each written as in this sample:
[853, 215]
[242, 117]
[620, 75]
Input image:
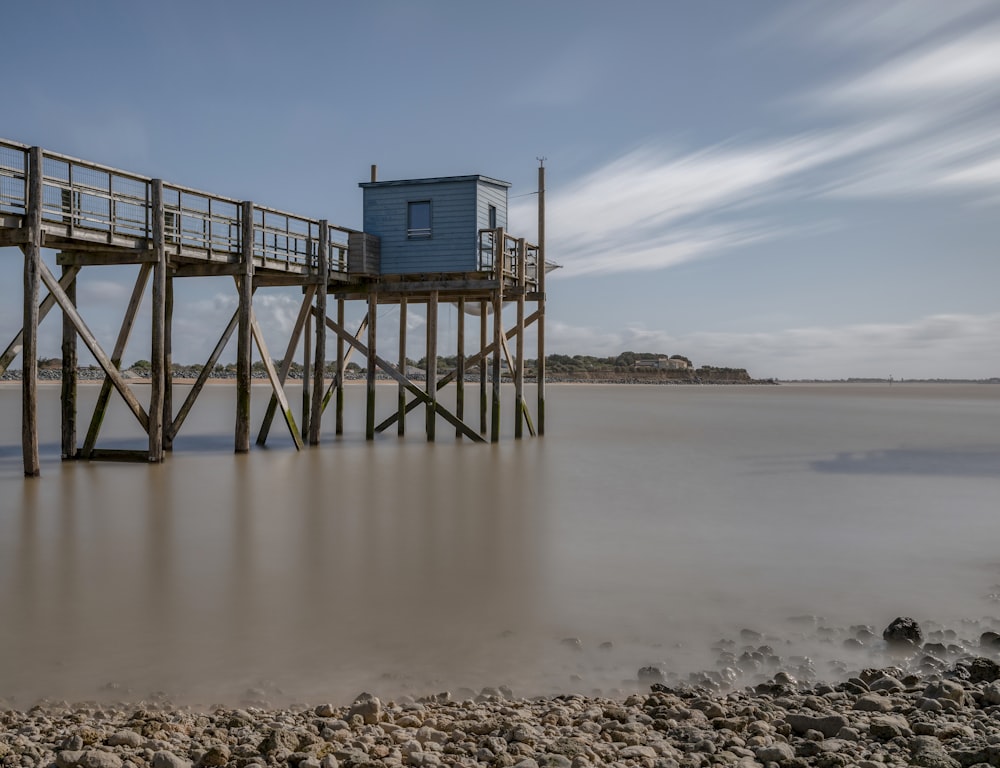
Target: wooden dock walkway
[94, 215]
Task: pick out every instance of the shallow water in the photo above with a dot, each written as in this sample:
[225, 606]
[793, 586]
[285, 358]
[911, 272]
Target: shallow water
[655, 518]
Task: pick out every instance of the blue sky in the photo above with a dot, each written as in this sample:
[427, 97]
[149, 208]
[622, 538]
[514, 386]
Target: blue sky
[801, 189]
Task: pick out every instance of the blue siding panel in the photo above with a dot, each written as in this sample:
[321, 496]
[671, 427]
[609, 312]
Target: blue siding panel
[459, 209]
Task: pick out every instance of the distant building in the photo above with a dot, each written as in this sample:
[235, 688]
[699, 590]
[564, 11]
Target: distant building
[662, 363]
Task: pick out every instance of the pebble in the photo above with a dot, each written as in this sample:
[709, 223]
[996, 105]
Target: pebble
[754, 709]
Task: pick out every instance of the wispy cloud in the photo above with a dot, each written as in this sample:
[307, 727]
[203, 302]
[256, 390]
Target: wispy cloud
[914, 119]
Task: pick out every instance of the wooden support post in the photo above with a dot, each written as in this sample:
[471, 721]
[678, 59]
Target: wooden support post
[244, 346]
[460, 365]
[432, 355]
[540, 325]
[307, 342]
[157, 377]
[499, 257]
[319, 368]
[483, 330]
[69, 376]
[168, 366]
[104, 397]
[518, 371]
[339, 416]
[401, 398]
[370, 401]
[29, 360]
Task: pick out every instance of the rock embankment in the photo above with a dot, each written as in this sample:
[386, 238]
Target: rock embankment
[923, 712]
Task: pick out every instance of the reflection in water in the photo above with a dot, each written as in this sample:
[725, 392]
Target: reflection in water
[657, 518]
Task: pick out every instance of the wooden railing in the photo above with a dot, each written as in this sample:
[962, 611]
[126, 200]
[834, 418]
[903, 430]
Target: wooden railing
[490, 250]
[82, 199]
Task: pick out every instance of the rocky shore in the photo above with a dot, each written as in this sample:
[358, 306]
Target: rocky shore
[935, 702]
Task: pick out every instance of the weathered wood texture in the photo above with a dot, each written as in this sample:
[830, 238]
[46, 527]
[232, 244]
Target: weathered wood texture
[29, 361]
[244, 348]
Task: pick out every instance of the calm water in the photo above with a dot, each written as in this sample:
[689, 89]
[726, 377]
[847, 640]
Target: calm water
[657, 518]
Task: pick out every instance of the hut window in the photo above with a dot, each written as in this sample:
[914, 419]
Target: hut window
[418, 219]
[493, 217]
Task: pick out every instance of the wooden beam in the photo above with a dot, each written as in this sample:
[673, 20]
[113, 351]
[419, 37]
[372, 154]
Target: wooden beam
[158, 319]
[13, 237]
[33, 265]
[14, 348]
[286, 362]
[168, 366]
[272, 375]
[341, 363]
[460, 365]
[430, 377]
[244, 350]
[82, 258]
[540, 328]
[104, 397]
[483, 333]
[518, 370]
[110, 369]
[498, 335]
[401, 398]
[307, 343]
[319, 367]
[370, 390]
[69, 371]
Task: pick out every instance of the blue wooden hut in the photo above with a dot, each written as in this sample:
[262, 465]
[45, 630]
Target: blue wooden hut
[431, 226]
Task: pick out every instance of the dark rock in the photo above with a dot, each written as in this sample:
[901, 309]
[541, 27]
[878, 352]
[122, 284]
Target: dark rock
[982, 670]
[828, 725]
[903, 630]
[651, 675]
[989, 640]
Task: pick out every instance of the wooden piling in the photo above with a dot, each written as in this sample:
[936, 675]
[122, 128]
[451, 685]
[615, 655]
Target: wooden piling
[319, 367]
[483, 333]
[168, 365]
[370, 389]
[460, 366]
[244, 342]
[339, 416]
[518, 372]
[540, 323]
[69, 375]
[498, 335]
[431, 373]
[29, 351]
[307, 344]
[401, 396]
[157, 356]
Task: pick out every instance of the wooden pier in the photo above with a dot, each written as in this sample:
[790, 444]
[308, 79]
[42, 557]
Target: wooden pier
[94, 215]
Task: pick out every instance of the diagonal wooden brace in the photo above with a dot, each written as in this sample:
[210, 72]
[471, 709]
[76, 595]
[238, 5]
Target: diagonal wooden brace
[14, 348]
[95, 348]
[449, 377]
[410, 387]
[272, 375]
